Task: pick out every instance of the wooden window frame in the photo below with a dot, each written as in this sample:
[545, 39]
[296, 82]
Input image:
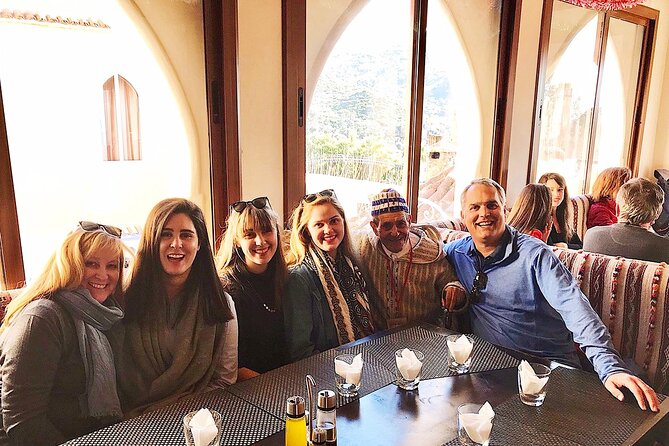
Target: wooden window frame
[640, 15]
[220, 41]
[294, 41]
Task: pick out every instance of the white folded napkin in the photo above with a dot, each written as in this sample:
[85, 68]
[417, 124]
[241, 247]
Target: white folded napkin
[478, 425]
[529, 382]
[203, 427]
[350, 372]
[408, 364]
[460, 349]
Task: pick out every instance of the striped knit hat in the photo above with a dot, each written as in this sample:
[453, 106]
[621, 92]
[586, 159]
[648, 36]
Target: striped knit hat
[388, 200]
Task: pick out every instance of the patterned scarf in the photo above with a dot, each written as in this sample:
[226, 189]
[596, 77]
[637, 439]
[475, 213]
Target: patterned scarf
[91, 319]
[346, 293]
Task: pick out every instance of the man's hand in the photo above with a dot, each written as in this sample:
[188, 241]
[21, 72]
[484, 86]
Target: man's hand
[454, 298]
[641, 391]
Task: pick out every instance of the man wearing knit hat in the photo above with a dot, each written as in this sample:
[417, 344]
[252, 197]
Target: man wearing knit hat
[406, 263]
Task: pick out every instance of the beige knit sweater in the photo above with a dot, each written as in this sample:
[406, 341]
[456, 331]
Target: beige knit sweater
[402, 292]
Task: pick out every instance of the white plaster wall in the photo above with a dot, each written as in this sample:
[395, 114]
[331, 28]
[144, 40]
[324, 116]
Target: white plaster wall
[260, 100]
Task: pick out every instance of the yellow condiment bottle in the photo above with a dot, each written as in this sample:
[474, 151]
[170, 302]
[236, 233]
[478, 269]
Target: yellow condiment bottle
[296, 425]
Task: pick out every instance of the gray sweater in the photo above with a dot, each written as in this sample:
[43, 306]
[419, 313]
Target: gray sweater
[633, 242]
[42, 377]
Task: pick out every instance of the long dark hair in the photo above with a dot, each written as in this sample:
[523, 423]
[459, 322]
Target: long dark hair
[564, 212]
[147, 285]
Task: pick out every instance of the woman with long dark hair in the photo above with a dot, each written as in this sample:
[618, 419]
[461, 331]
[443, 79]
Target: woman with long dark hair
[562, 233]
[180, 331]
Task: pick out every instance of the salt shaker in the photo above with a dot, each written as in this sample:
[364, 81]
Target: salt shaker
[319, 437]
[326, 415]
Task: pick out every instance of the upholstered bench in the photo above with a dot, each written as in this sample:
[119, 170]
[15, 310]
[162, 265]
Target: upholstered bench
[5, 298]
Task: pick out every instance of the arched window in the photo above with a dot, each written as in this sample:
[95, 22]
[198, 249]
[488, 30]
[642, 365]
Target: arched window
[121, 119]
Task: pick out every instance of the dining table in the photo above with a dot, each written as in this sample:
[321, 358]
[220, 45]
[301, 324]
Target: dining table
[578, 410]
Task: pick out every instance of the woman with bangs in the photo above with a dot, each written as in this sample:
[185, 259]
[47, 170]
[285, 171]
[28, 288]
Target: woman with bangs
[56, 363]
[179, 336]
[253, 270]
[562, 233]
[326, 301]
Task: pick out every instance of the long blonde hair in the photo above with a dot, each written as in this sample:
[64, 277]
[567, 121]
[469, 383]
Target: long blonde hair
[65, 269]
[300, 239]
[230, 254]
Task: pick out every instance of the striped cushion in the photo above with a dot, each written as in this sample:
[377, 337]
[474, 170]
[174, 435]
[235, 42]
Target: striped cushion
[631, 297]
[454, 223]
[448, 235]
[581, 205]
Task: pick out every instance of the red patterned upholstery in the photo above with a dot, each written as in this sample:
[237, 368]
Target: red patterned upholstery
[632, 298]
[581, 205]
[5, 298]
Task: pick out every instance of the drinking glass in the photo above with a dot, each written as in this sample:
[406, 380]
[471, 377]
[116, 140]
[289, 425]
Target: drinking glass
[459, 361]
[349, 384]
[188, 433]
[409, 377]
[473, 428]
[533, 393]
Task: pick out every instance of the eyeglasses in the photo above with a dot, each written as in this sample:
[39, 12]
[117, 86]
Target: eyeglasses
[258, 203]
[90, 226]
[480, 282]
[310, 198]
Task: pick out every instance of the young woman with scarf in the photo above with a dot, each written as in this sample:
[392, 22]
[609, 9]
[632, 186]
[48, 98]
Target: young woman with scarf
[180, 332]
[326, 300]
[253, 270]
[56, 363]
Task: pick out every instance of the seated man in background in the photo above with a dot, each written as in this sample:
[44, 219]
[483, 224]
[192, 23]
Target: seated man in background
[524, 299]
[406, 263]
[640, 202]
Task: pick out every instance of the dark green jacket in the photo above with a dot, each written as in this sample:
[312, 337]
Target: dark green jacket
[307, 318]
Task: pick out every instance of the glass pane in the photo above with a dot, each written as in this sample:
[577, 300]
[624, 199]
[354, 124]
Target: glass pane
[52, 79]
[358, 76]
[568, 94]
[618, 93]
[459, 102]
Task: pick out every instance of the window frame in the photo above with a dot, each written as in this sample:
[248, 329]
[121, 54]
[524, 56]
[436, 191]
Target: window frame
[294, 42]
[640, 15]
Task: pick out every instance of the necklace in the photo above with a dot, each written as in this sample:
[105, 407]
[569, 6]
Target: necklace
[396, 292]
[247, 287]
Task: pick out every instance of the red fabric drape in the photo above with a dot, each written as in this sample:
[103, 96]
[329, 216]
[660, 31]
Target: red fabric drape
[605, 5]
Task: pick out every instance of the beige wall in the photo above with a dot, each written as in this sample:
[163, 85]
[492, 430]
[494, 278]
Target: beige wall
[260, 98]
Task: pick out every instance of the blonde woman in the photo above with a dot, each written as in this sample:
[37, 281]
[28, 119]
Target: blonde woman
[57, 367]
[253, 270]
[180, 330]
[326, 300]
[603, 211]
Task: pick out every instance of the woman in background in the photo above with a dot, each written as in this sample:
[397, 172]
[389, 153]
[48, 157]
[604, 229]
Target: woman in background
[180, 331]
[326, 303]
[603, 211]
[562, 233]
[253, 270]
[531, 213]
[57, 365]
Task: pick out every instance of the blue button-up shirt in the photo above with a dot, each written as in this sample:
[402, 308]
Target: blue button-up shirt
[531, 303]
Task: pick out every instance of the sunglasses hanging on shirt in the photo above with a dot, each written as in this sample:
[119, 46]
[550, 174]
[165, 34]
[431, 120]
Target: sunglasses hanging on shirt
[480, 282]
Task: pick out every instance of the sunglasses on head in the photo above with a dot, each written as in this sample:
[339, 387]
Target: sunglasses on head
[90, 226]
[258, 203]
[310, 198]
[480, 282]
